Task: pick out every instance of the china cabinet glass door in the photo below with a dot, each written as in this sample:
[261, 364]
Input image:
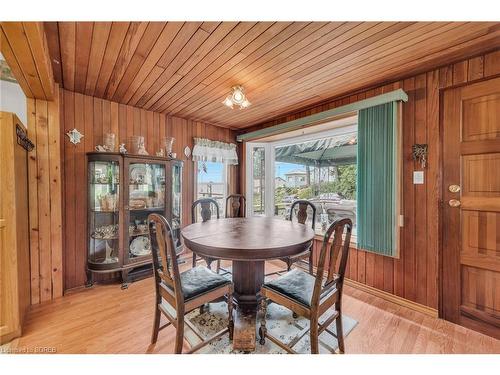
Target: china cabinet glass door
[176, 219]
[104, 193]
[146, 194]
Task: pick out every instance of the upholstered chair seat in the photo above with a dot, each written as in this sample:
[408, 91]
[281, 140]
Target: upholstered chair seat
[199, 280]
[296, 285]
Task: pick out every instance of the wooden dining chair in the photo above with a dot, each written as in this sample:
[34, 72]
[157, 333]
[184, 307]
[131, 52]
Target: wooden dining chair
[207, 207]
[185, 291]
[311, 296]
[235, 205]
[302, 215]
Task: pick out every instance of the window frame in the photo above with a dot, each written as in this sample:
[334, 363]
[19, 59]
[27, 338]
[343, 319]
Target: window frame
[270, 154]
[225, 176]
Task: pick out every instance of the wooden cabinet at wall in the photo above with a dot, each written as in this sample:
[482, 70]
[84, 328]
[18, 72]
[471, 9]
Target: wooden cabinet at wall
[14, 240]
[123, 190]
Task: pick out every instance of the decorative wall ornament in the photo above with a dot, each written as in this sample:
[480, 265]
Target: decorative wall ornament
[23, 140]
[187, 151]
[74, 136]
[419, 153]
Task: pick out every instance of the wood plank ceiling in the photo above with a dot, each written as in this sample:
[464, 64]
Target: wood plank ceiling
[187, 69]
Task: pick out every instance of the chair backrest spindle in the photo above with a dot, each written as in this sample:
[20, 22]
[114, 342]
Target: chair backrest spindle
[235, 204]
[302, 211]
[206, 209]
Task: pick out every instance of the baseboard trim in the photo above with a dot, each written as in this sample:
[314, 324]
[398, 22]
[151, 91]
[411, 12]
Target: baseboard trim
[392, 298]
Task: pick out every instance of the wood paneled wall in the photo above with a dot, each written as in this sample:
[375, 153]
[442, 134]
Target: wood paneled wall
[45, 194]
[24, 46]
[414, 275]
[95, 117]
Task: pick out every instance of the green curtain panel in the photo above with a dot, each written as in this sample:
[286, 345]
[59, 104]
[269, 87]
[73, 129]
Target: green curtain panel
[376, 209]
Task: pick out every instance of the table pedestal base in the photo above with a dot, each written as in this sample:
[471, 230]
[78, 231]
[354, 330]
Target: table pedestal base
[248, 277]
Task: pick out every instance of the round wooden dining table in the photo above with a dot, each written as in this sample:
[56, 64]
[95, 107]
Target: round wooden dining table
[248, 243]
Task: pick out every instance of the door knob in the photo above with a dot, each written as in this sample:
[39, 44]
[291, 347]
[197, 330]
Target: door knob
[454, 188]
[454, 202]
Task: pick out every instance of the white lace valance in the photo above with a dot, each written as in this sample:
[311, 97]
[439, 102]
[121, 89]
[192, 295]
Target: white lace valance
[207, 150]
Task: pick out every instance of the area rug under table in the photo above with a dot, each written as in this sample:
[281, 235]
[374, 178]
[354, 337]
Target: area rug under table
[279, 322]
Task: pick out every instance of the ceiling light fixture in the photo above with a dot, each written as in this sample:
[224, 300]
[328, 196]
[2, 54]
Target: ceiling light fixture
[236, 97]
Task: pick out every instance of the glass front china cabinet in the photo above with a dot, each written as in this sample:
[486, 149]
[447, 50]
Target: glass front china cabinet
[123, 191]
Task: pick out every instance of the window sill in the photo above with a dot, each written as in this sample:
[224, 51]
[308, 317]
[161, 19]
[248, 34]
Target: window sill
[319, 236]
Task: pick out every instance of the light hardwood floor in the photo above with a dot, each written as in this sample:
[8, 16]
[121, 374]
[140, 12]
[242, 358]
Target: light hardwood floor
[106, 319]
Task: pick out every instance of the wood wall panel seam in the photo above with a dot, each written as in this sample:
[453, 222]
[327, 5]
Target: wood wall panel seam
[43, 200]
[55, 196]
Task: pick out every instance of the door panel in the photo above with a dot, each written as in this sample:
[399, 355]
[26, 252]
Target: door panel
[479, 289]
[487, 108]
[480, 236]
[470, 259]
[481, 175]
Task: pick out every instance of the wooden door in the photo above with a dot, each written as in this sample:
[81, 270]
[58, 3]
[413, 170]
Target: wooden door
[470, 259]
[14, 228]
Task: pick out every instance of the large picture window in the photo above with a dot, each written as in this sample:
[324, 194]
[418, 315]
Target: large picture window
[350, 171]
[320, 168]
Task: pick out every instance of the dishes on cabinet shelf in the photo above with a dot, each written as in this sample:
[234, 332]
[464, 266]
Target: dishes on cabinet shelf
[137, 203]
[140, 246]
[138, 174]
[101, 178]
[106, 173]
[138, 229]
[140, 199]
[106, 232]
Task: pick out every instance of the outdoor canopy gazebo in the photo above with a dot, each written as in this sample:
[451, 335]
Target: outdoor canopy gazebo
[335, 151]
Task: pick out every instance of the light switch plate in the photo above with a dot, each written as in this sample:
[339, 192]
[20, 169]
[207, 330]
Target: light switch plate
[418, 177]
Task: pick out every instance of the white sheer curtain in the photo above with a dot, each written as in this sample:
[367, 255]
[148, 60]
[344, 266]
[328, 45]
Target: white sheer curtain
[214, 151]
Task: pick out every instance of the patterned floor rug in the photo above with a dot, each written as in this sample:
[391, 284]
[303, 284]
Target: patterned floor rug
[280, 323]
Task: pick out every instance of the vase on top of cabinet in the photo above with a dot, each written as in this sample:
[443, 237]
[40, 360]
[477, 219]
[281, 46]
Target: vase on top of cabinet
[123, 191]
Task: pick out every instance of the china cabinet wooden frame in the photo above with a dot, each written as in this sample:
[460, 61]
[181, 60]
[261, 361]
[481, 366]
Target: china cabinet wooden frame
[122, 191]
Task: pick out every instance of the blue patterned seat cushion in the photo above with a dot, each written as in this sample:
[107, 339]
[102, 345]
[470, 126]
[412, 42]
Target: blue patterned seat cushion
[295, 284]
[199, 280]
